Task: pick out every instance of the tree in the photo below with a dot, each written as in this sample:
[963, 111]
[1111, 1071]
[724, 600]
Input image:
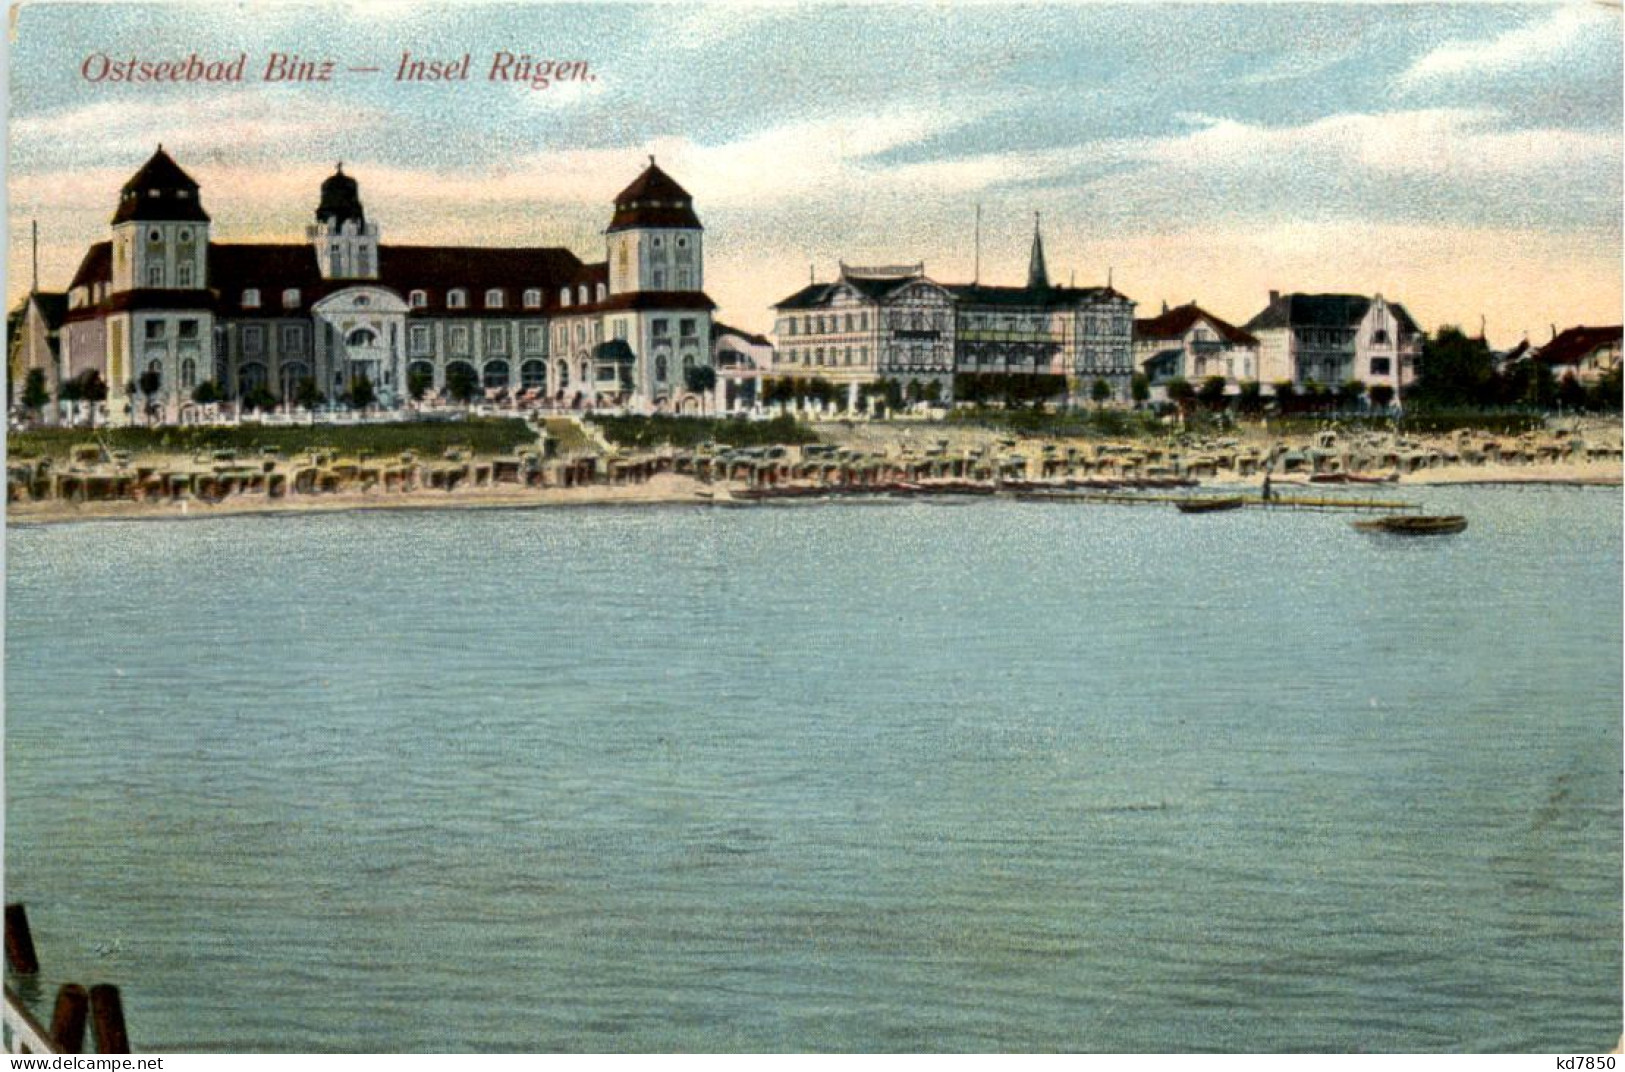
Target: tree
[700, 380]
[259, 398]
[418, 383]
[1570, 395]
[206, 393]
[307, 394]
[35, 395]
[1286, 394]
[361, 393]
[1542, 389]
[461, 383]
[92, 387]
[1250, 400]
[1181, 393]
[1211, 393]
[149, 382]
[1139, 389]
[1456, 371]
[1349, 394]
[1100, 392]
[1382, 394]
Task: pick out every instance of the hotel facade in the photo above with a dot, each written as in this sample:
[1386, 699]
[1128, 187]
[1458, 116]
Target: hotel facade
[896, 323]
[162, 297]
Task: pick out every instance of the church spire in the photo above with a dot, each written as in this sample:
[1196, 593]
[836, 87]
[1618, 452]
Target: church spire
[1037, 274]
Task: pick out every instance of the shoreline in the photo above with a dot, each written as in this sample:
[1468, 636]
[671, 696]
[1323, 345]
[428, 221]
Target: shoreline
[674, 490]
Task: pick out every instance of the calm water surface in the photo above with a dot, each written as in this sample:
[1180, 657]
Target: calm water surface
[969, 777]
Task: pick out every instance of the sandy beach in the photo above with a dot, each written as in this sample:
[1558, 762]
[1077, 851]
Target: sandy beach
[671, 489]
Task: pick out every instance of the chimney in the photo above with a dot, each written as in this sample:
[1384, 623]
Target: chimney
[1554, 331]
[1275, 296]
[1165, 307]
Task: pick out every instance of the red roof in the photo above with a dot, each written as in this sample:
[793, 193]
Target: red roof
[1573, 345]
[97, 266]
[269, 268]
[1176, 322]
[654, 200]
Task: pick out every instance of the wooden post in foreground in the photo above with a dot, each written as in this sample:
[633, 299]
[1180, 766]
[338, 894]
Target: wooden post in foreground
[20, 941]
[107, 1019]
[68, 1019]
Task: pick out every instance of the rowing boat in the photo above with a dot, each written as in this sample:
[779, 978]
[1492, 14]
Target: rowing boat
[1403, 525]
[1209, 506]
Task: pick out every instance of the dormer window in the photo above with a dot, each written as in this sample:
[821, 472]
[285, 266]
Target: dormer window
[533, 299]
[603, 292]
[457, 299]
[290, 298]
[564, 297]
[419, 299]
[251, 299]
[581, 294]
[493, 299]
[183, 194]
[155, 193]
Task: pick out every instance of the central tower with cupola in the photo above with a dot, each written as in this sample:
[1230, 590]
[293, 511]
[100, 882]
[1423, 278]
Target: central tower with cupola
[346, 244]
[160, 231]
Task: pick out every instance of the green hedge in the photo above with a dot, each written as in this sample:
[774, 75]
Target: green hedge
[645, 433]
[491, 435]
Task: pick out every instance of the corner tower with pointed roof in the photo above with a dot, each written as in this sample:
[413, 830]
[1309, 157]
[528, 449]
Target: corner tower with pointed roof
[346, 244]
[657, 303]
[158, 328]
[655, 237]
[160, 231]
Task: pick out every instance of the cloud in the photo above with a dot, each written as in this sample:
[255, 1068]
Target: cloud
[1528, 45]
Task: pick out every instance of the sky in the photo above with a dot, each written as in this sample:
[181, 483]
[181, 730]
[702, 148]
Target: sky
[1464, 159]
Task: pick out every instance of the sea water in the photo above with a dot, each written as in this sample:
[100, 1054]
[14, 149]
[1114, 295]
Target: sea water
[982, 776]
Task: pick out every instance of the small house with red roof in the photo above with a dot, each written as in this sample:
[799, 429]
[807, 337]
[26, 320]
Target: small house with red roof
[1193, 344]
[1586, 353]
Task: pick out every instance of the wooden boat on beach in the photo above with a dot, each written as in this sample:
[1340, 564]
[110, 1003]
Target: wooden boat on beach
[1409, 525]
[1210, 506]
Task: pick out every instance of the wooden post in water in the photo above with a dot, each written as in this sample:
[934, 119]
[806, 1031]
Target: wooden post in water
[68, 1019]
[107, 1018]
[20, 941]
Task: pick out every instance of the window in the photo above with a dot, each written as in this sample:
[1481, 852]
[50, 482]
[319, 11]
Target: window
[251, 299]
[533, 376]
[685, 279]
[660, 328]
[863, 321]
[533, 299]
[1379, 337]
[419, 299]
[457, 299]
[493, 298]
[293, 338]
[459, 339]
[581, 333]
[363, 265]
[155, 236]
[658, 279]
[420, 338]
[496, 339]
[534, 338]
[188, 374]
[183, 274]
[682, 243]
[581, 294]
[253, 339]
[660, 369]
[686, 327]
[657, 241]
[188, 329]
[1381, 366]
[361, 337]
[603, 292]
[155, 275]
[155, 330]
[186, 234]
[564, 297]
[290, 298]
